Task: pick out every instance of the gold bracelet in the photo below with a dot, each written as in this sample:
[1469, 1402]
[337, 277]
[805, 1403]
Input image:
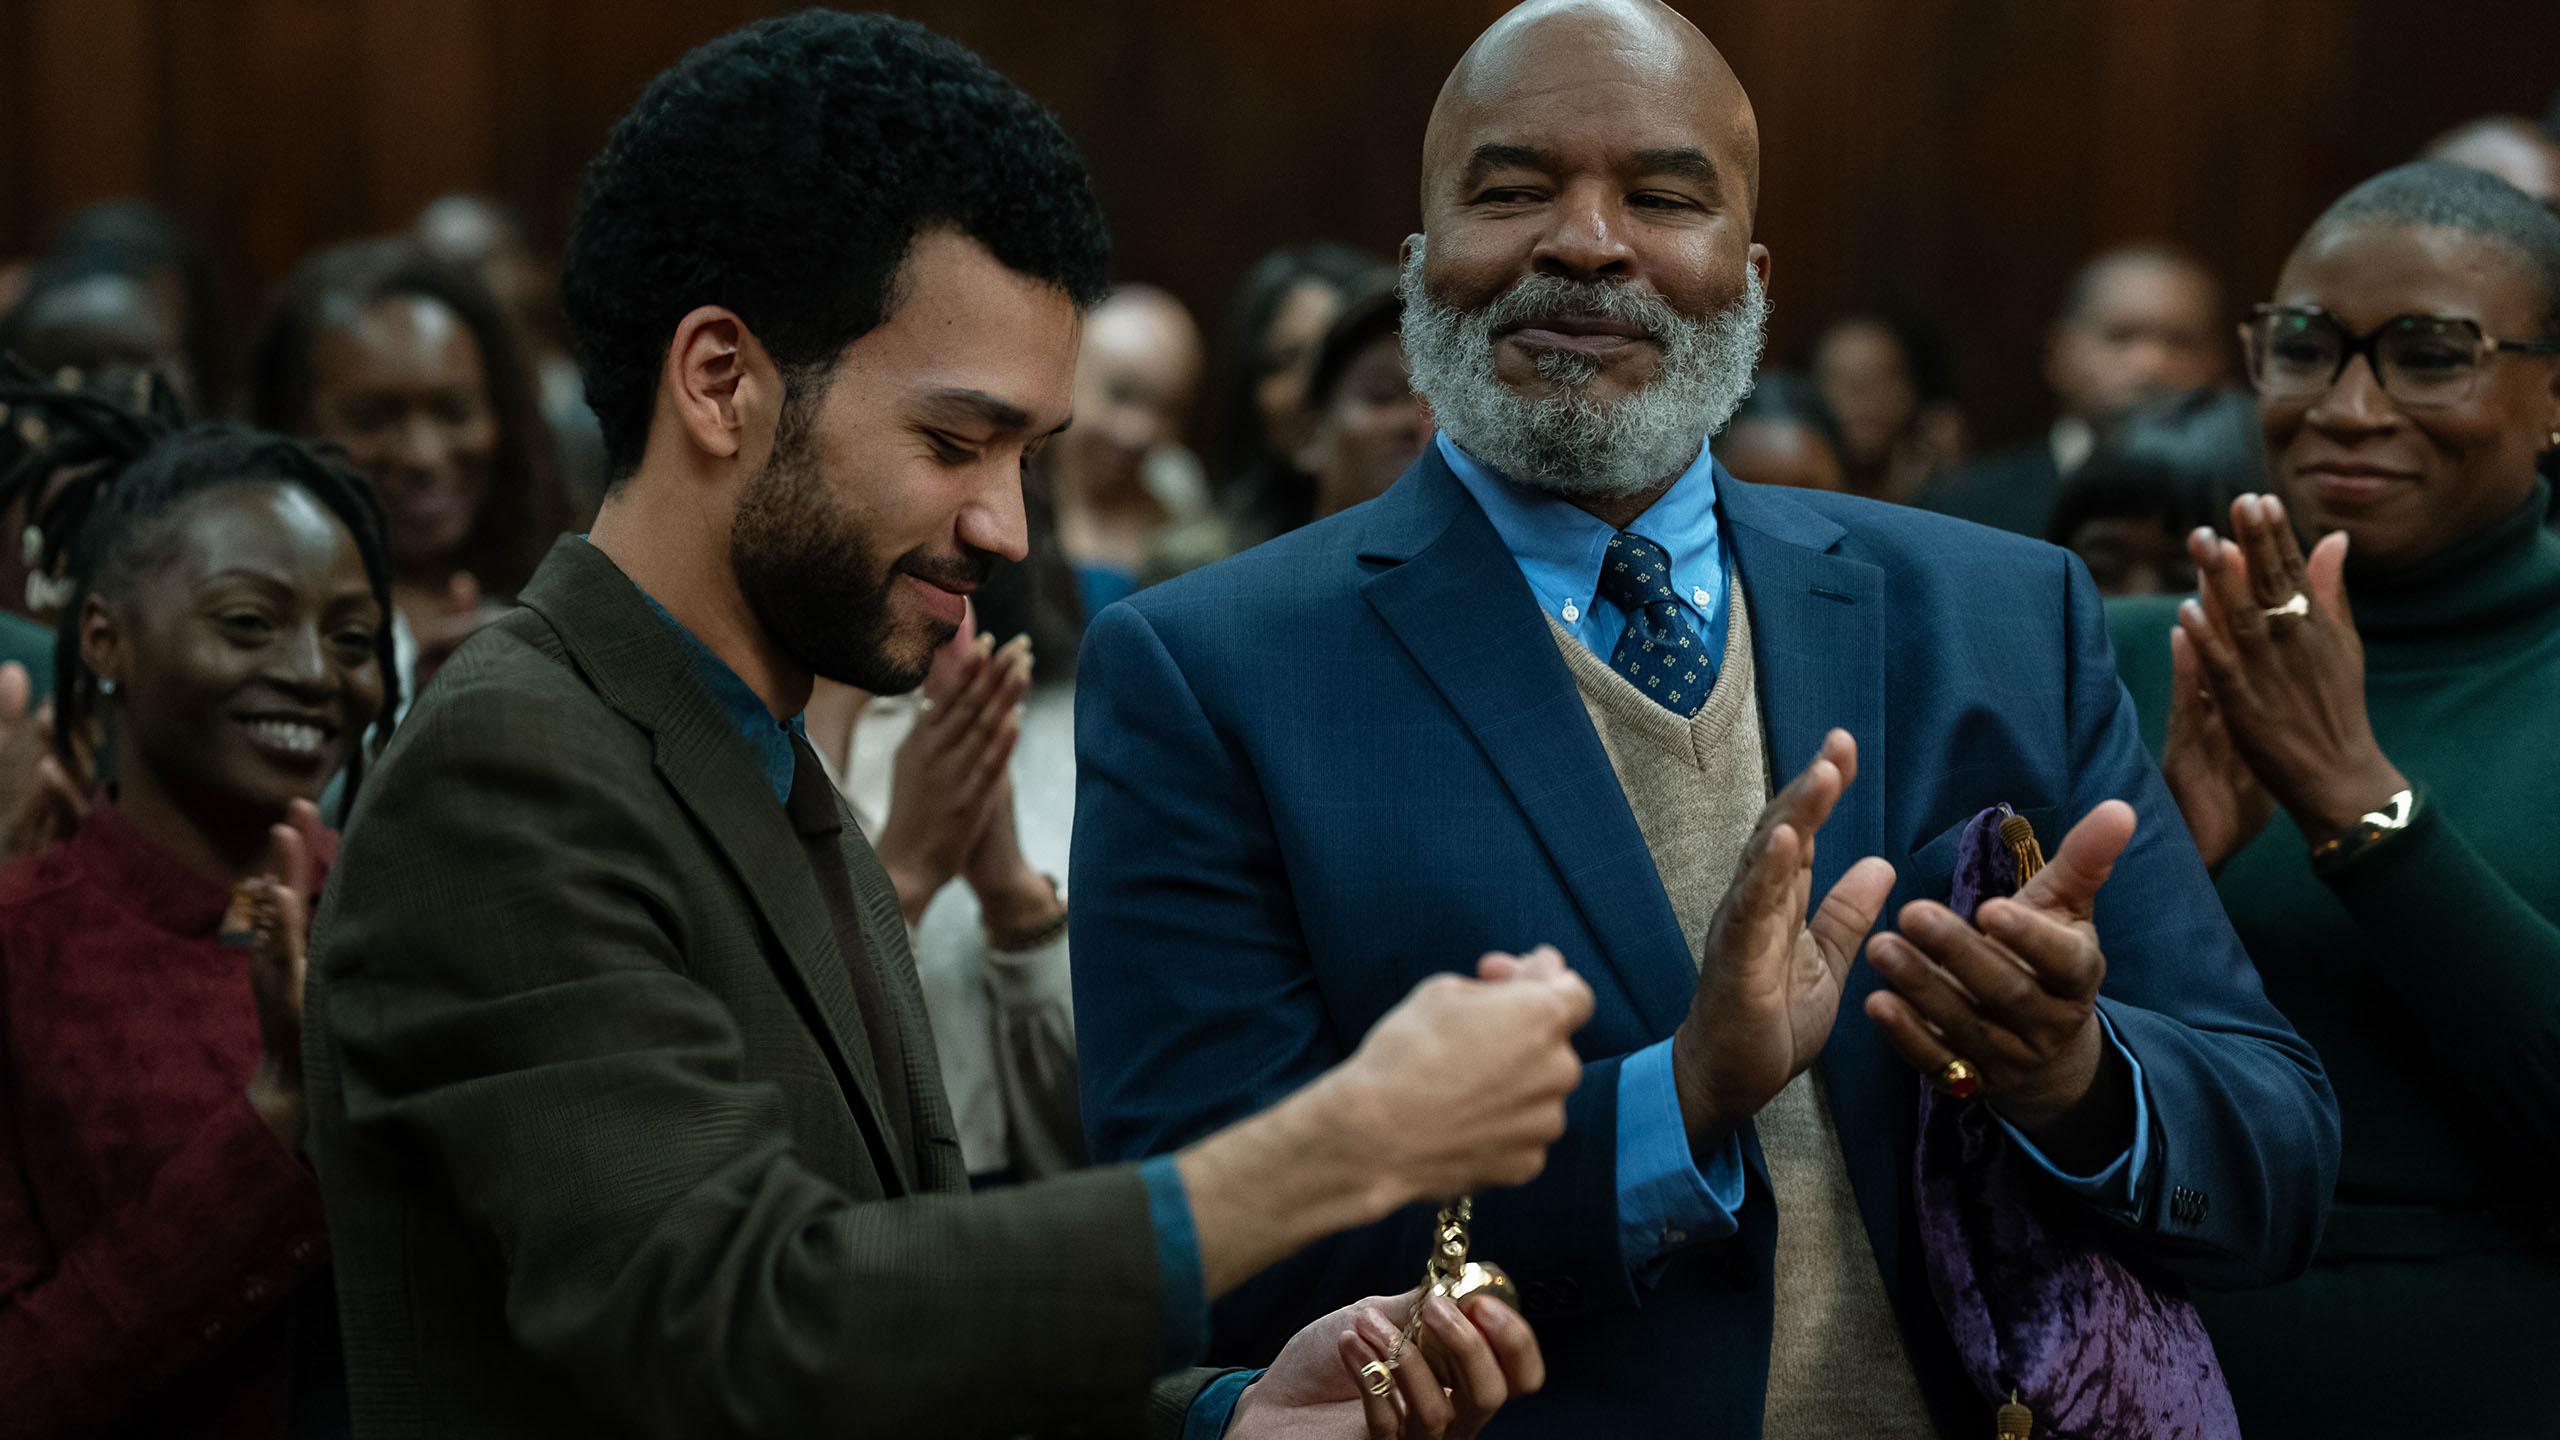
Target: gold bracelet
[2375, 827]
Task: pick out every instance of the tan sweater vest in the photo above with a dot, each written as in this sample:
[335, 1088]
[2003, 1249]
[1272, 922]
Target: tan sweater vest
[1697, 786]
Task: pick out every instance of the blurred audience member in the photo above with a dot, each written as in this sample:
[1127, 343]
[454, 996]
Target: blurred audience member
[1783, 435]
[2510, 147]
[139, 239]
[2360, 744]
[105, 325]
[2164, 470]
[1266, 352]
[407, 364]
[2138, 323]
[974, 782]
[161, 1240]
[1365, 423]
[929, 777]
[492, 241]
[1884, 380]
[84, 323]
[1136, 378]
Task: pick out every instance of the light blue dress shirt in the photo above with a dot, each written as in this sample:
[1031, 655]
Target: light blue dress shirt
[1665, 1199]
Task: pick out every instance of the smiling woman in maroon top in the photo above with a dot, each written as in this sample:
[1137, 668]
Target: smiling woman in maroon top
[228, 636]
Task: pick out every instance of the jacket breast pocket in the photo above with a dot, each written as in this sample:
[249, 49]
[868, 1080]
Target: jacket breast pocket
[1933, 861]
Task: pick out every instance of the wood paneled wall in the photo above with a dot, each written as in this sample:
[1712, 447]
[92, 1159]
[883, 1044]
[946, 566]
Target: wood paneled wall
[1956, 156]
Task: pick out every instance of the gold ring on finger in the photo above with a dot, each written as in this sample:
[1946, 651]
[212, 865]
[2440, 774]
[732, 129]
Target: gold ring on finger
[1958, 1078]
[1381, 1379]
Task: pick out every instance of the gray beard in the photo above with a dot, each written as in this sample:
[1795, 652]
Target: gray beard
[1568, 443]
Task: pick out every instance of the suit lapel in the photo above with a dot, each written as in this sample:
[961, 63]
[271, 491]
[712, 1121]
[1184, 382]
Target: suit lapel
[1458, 605]
[1817, 621]
[639, 668]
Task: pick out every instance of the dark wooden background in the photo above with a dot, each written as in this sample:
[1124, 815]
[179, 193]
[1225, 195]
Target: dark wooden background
[1959, 156]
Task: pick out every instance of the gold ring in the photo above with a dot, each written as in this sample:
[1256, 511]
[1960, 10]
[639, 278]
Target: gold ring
[1958, 1078]
[1381, 1380]
[2293, 609]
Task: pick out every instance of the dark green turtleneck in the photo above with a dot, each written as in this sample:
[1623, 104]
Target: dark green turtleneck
[2427, 972]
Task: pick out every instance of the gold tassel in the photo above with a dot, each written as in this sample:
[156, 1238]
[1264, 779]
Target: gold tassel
[2017, 1422]
[2021, 838]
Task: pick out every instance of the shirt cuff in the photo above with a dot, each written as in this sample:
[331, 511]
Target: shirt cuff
[2114, 1187]
[1215, 1405]
[1664, 1200]
[1186, 1293]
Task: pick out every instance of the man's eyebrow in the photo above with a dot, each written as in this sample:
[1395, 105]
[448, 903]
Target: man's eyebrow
[1683, 161]
[1485, 159]
[977, 407]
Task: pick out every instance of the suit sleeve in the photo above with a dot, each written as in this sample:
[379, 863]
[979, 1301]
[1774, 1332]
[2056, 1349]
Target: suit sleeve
[1197, 1004]
[502, 989]
[2243, 1121]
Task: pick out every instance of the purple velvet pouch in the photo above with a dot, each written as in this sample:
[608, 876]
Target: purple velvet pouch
[2037, 1302]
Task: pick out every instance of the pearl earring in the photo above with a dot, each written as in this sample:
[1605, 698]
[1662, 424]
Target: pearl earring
[106, 687]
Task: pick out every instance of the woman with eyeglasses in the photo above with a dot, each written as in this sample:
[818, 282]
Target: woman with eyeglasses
[2361, 739]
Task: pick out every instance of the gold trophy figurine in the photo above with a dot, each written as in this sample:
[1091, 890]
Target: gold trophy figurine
[1449, 1273]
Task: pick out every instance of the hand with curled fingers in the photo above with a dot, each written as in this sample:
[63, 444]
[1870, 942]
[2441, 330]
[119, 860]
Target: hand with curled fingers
[1462, 1085]
[1466, 1362]
[2217, 793]
[2276, 645]
[2014, 995]
[277, 909]
[40, 800]
[1770, 981]
[950, 779]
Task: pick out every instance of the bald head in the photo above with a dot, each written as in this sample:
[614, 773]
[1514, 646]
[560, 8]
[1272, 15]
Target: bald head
[1585, 303]
[1633, 60]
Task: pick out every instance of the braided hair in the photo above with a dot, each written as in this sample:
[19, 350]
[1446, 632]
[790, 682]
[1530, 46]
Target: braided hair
[98, 477]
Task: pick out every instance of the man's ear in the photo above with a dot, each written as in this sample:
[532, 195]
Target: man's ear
[723, 388]
[1757, 257]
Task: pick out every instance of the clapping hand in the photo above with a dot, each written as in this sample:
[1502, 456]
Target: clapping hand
[950, 780]
[40, 800]
[279, 909]
[1465, 1362]
[1770, 982]
[2274, 643]
[2015, 996]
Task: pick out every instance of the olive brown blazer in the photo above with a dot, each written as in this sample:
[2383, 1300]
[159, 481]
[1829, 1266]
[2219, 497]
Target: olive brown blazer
[595, 1109]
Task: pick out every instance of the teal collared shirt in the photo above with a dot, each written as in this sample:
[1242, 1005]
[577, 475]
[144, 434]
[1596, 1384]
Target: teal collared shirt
[741, 706]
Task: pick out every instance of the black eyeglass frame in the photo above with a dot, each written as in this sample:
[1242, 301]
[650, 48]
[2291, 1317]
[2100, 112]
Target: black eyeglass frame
[2486, 347]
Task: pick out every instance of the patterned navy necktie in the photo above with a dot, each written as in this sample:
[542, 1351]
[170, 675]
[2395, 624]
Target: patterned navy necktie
[1661, 653]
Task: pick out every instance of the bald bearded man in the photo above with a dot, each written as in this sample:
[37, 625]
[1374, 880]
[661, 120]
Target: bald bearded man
[1542, 688]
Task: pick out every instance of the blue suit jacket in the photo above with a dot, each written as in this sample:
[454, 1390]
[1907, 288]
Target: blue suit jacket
[1315, 774]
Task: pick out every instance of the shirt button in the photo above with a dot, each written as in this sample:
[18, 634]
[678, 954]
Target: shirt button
[1699, 595]
[1571, 612]
[1675, 1237]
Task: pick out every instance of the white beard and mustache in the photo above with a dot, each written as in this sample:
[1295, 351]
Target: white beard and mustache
[1569, 443]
